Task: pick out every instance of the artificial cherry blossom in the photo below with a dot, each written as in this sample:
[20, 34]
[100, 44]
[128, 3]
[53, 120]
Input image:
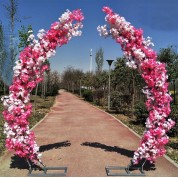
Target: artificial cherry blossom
[139, 55]
[28, 72]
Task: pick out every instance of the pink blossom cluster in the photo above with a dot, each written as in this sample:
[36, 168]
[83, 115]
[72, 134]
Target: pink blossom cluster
[28, 72]
[139, 55]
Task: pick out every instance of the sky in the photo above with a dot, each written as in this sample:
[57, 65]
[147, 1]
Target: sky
[157, 18]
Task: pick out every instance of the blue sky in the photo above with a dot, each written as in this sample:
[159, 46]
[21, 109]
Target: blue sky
[157, 18]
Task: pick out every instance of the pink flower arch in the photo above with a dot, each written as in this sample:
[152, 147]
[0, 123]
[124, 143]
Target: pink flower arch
[28, 72]
[141, 57]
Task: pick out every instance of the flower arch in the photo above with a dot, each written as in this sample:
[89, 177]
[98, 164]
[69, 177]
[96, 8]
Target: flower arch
[141, 57]
[28, 72]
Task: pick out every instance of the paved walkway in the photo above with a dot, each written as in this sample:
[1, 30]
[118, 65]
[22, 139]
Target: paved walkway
[83, 138]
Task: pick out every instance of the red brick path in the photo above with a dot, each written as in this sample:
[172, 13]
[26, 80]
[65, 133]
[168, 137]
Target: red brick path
[77, 135]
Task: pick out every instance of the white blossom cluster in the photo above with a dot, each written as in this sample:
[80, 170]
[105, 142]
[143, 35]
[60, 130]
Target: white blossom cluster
[103, 30]
[147, 42]
[131, 64]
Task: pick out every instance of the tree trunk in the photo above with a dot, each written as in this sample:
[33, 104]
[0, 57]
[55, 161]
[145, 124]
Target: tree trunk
[4, 86]
[133, 94]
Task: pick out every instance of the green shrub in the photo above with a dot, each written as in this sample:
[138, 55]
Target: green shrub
[120, 102]
[140, 112]
[174, 116]
[98, 95]
[77, 91]
[87, 94]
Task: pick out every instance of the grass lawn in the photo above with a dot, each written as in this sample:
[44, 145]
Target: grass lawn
[42, 108]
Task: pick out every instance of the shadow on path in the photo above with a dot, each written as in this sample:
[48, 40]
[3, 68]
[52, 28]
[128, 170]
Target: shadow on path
[104, 147]
[44, 148]
[21, 163]
[147, 167]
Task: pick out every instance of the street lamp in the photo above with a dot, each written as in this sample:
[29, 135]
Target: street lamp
[91, 61]
[109, 87]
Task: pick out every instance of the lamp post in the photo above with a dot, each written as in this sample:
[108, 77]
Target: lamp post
[91, 61]
[109, 86]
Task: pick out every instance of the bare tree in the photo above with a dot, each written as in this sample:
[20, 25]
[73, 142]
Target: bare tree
[99, 58]
[53, 81]
[71, 79]
[11, 12]
[3, 55]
